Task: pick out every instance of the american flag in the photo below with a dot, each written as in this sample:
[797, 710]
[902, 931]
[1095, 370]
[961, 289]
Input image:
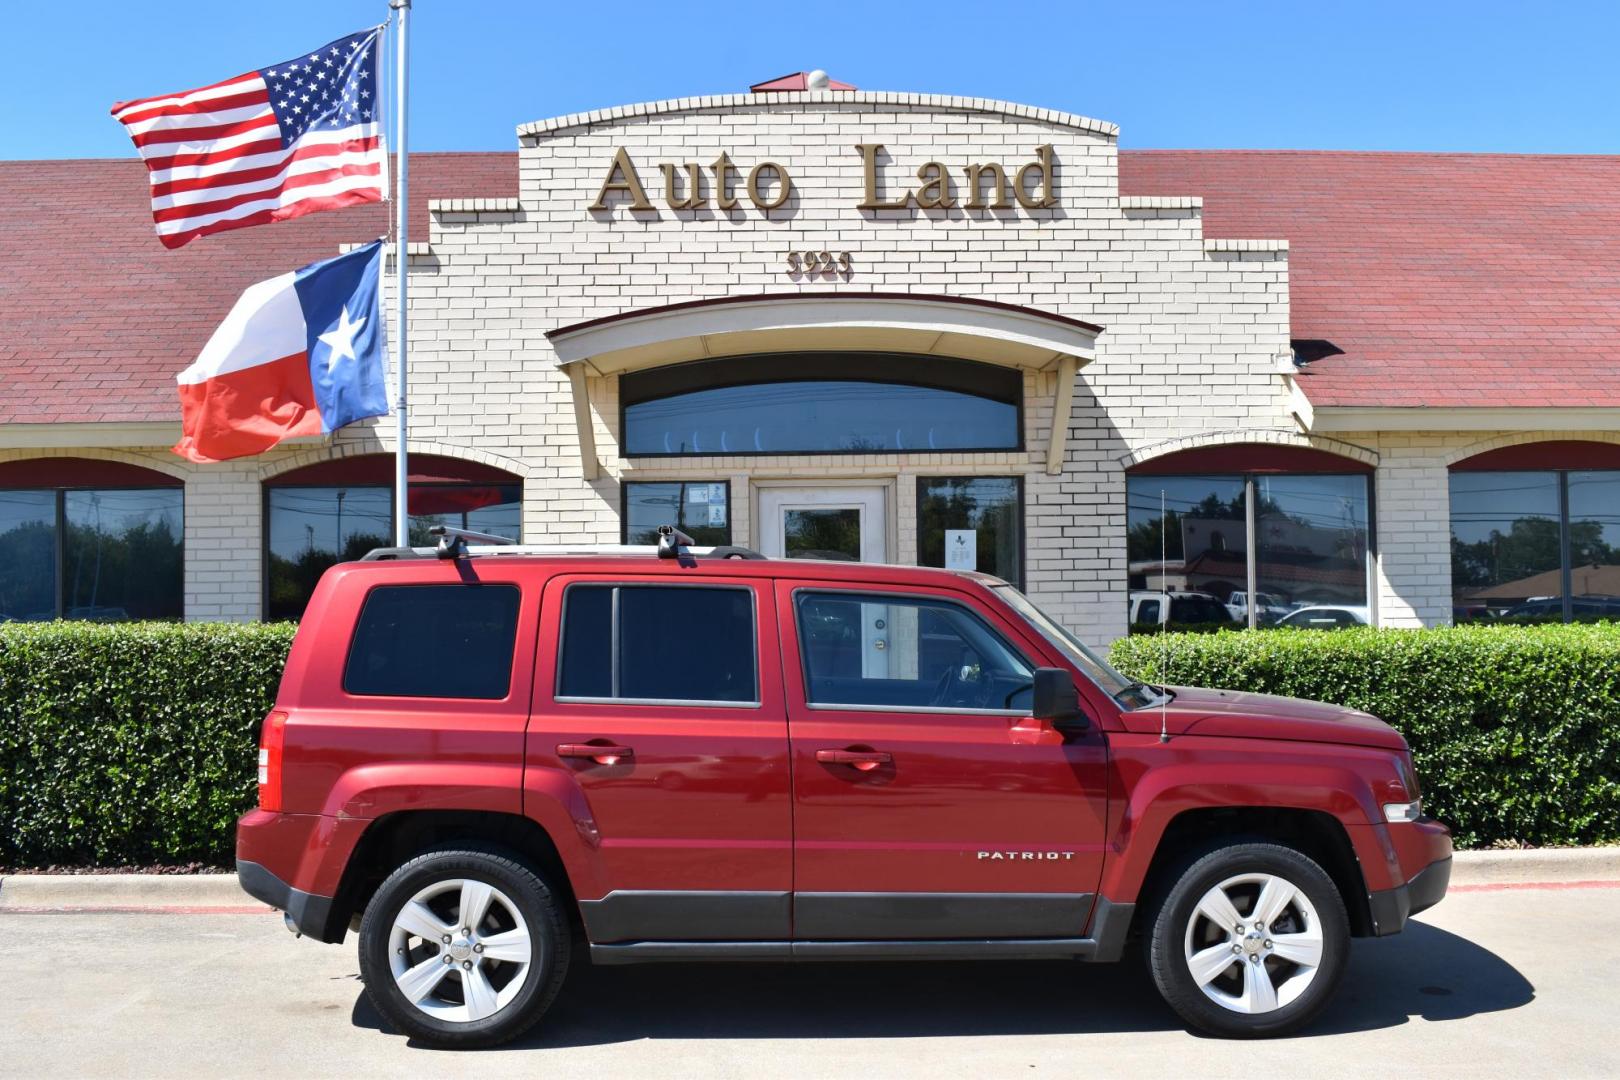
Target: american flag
[273, 144]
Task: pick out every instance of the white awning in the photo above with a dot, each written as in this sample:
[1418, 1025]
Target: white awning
[962, 328]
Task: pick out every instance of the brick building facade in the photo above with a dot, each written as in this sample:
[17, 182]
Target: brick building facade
[1299, 354]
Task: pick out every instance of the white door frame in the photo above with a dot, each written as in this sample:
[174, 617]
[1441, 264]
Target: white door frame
[875, 500]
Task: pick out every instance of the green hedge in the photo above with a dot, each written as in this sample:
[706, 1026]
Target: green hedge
[1515, 731]
[134, 744]
[130, 744]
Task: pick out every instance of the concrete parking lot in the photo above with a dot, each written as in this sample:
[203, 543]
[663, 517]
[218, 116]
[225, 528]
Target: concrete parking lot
[1511, 982]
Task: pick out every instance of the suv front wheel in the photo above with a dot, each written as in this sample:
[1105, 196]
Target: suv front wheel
[1250, 941]
[463, 948]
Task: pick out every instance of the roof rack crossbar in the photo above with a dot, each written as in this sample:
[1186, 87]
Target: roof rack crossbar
[453, 541]
[672, 543]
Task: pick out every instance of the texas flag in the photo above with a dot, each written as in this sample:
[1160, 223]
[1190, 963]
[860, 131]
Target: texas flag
[300, 354]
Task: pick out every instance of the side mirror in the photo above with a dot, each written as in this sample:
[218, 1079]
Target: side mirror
[1056, 698]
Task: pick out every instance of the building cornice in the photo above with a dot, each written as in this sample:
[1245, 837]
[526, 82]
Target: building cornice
[103, 435]
[90, 434]
[529, 134]
[1512, 418]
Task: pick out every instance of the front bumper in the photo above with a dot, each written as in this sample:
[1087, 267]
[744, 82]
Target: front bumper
[307, 912]
[1392, 907]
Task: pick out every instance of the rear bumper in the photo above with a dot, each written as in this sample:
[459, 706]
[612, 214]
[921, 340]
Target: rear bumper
[309, 913]
[1392, 907]
[295, 862]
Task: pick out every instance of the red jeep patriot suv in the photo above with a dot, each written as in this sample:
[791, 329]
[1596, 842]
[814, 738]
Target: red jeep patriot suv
[485, 759]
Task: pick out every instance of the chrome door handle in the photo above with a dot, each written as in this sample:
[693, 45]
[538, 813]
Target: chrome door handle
[864, 760]
[601, 753]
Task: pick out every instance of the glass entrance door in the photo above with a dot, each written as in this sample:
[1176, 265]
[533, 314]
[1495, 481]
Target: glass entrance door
[848, 524]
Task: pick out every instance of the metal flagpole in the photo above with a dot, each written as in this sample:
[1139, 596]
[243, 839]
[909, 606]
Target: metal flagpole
[401, 261]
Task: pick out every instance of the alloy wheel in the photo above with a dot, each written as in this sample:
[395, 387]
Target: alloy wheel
[1254, 943]
[460, 951]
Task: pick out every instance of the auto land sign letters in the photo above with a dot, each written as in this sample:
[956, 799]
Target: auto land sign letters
[982, 186]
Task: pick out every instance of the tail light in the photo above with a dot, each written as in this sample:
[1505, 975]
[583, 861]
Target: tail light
[271, 737]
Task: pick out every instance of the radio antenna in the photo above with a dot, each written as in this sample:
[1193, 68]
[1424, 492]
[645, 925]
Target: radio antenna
[1164, 630]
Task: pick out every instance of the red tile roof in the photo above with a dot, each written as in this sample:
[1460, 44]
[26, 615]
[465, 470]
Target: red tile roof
[97, 317]
[1430, 279]
[1445, 280]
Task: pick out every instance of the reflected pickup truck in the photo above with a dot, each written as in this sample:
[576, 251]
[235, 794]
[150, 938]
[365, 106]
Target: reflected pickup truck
[494, 761]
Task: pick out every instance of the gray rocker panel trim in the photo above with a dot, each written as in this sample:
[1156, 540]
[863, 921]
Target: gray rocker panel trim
[676, 915]
[875, 916]
[627, 912]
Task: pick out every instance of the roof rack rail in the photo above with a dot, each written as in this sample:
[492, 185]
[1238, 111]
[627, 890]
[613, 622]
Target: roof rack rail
[454, 544]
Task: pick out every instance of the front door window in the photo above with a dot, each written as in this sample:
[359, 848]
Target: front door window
[832, 532]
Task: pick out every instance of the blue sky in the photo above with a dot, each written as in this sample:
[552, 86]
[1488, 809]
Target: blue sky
[1418, 75]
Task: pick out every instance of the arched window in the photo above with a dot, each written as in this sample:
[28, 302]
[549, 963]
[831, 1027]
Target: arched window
[1535, 533]
[87, 539]
[821, 403]
[338, 510]
[1303, 559]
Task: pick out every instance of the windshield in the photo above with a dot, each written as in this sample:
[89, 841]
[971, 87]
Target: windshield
[1128, 692]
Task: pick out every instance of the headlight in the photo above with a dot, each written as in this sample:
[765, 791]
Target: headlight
[1403, 811]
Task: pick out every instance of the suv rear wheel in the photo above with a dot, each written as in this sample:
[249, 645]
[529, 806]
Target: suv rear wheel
[1250, 941]
[463, 948]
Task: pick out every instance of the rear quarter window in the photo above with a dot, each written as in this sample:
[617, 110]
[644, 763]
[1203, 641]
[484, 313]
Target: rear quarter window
[434, 641]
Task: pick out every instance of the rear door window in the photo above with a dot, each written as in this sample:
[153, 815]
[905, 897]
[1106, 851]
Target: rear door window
[434, 641]
[690, 644]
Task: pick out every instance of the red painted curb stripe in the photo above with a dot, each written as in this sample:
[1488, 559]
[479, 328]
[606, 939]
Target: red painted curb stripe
[1503, 886]
[152, 909]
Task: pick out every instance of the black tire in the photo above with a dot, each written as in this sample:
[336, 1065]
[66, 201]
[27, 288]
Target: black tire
[1169, 930]
[548, 933]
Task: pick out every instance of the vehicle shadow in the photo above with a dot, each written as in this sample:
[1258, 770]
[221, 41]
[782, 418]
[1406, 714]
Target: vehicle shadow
[1424, 972]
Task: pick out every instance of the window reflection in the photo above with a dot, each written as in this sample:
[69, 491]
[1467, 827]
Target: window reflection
[989, 508]
[123, 555]
[1196, 550]
[1311, 532]
[1511, 545]
[1506, 556]
[1309, 550]
[27, 555]
[819, 416]
[312, 528]
[700, 510]
[822, 533]
[496, 509]
[1594, 544]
